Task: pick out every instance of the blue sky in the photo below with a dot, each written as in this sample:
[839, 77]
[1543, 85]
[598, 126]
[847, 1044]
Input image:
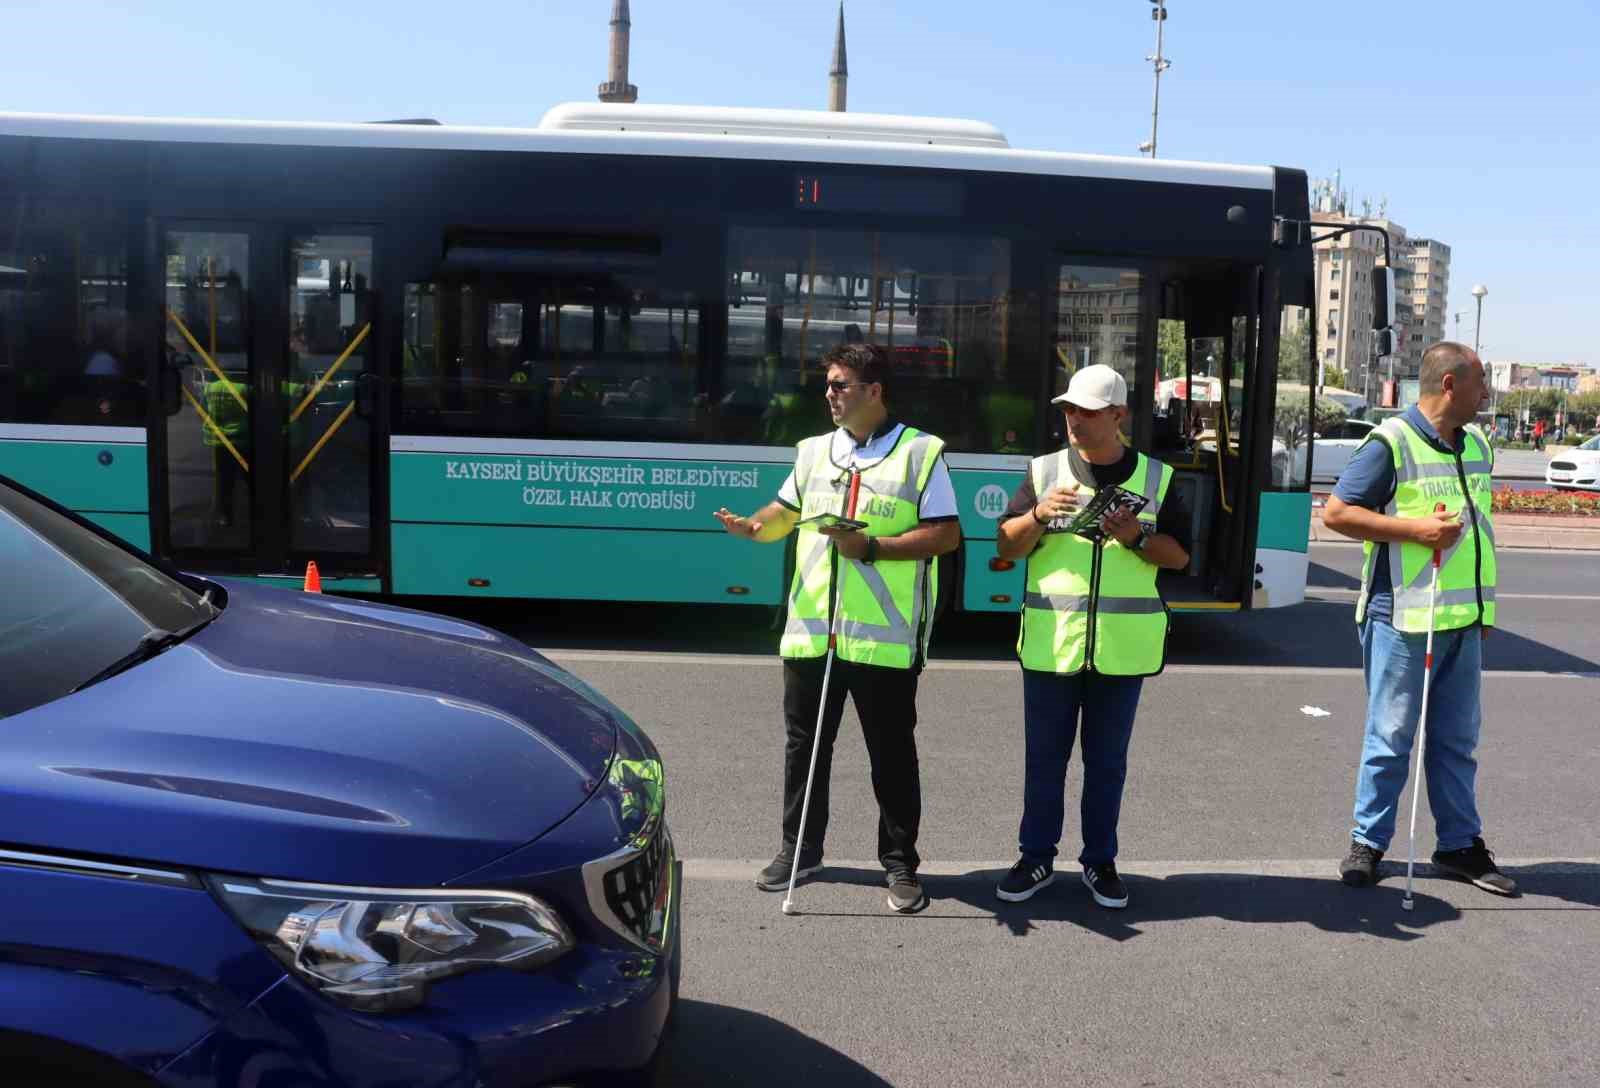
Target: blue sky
[1475, 119]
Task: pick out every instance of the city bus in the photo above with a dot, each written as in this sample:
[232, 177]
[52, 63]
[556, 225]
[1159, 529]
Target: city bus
[464, 361]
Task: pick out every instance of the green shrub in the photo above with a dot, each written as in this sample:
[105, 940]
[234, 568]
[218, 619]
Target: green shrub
[1570, 503]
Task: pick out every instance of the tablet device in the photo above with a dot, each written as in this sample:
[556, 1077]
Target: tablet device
[1107, 500]
[833, 521]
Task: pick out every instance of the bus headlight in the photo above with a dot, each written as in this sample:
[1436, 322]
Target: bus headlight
[377, 949]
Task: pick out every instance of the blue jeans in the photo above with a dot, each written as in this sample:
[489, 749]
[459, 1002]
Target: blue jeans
[1393, 664]
[1051, 705]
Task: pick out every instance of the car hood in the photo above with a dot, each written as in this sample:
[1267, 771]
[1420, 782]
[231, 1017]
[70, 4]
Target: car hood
[314, 738]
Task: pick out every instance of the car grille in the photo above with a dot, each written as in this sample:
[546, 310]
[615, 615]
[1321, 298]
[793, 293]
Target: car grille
[631, 887]
[1564, 466]
[631, 892]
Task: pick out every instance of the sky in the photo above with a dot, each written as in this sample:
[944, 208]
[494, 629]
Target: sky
[1474, 119]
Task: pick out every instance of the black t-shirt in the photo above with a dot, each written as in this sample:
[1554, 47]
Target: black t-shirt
[1172, 519]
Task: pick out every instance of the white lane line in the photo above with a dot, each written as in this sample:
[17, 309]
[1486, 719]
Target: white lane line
[1315, 592]
[667, 658]
[742, 869]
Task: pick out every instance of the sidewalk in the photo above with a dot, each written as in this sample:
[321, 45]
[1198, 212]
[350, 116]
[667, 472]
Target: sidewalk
[1510, 531]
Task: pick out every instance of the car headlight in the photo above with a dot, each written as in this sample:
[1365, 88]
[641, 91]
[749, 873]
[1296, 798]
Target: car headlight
[377, 949]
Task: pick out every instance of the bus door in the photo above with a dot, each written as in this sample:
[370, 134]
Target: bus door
[269, 385]
[1202, 422]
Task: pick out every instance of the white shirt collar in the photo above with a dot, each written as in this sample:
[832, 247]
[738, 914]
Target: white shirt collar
[845, 451]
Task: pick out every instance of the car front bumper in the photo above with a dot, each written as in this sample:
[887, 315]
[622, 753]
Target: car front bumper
[599, 1010]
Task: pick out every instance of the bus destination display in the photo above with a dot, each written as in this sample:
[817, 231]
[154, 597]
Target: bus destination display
[878, 196]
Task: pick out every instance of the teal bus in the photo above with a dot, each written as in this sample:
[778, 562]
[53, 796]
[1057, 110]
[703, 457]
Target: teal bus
[466, 361]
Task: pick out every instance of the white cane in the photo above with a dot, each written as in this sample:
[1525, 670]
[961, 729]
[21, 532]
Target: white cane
[822, 705]
[1422, 724]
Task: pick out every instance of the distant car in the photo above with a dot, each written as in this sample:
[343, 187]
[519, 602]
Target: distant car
[1577, 469]
[263, 837]
[1333, 451]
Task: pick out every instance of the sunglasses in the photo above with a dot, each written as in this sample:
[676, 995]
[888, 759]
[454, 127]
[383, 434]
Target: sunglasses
[837, 386]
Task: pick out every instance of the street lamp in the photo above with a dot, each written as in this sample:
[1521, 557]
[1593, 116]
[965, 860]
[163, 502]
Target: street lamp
[1159, 15]
[1478, 291]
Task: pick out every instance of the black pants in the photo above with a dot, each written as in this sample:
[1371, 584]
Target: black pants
[886, 702]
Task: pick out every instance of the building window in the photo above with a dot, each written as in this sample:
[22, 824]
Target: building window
[1334, 274]
[1333, 294]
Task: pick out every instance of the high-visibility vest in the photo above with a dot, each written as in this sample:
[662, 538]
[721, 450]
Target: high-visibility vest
[1425, 477]
[885, 608]
[1093, 604]
[222, 405]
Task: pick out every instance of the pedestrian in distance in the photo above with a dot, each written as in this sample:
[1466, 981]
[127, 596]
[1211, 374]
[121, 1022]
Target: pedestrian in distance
[1538, 434]
[1432, 454]
[1093, 626]
[873, 588]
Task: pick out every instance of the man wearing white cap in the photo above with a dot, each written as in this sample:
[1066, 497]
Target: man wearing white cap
[1093, 625]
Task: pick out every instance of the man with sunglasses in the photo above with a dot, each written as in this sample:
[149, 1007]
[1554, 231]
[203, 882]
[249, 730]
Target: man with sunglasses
[886, 577]
[1093, 626]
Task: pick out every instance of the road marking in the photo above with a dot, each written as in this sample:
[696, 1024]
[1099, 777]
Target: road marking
[1315, 592]
[638, 657]
[743, 869]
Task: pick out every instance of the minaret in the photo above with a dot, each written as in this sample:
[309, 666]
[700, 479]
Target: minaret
[839, 74]
[616, 88]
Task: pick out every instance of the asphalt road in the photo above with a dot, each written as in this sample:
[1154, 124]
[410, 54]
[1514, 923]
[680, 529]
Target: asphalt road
[1241, 959]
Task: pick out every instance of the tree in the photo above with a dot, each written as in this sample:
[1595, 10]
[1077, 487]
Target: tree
[1171, 349]
[1294, 348]
[1539, 403]
[1289, 420]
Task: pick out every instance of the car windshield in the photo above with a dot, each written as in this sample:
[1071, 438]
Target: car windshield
[1592, 444]
[72, 603]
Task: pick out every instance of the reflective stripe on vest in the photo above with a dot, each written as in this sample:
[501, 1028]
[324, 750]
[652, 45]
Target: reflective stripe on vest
[885, 608]
[1425, 477]
[1089, 605]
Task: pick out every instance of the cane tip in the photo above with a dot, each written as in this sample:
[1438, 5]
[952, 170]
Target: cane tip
[788, 907]
[1406, 904]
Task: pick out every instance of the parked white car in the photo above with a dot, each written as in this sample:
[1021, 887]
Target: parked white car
[1334, 450]
[1578, 469]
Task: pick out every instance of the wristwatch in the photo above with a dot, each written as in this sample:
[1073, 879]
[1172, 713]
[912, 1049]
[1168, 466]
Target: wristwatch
[872, 550]
[1139, 541]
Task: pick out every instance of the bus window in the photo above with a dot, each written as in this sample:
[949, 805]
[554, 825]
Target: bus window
[1099, 315]
[67, 353]
[942, 307]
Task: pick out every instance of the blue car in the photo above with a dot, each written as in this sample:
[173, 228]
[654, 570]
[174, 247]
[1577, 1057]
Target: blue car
[258, 837]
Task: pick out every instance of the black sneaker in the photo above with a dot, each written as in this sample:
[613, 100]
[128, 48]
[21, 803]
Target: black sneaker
[1359, 869]
[1025, 878]
[1475, 864]
[775, 877]
[905, 892]
[1105, 885]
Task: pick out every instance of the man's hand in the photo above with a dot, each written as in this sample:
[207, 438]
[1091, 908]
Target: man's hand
[1057, 502]
[1438, 531]
[1122, 524]
[852, 543]
[738, 526]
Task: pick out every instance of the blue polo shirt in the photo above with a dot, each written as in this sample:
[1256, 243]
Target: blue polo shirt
[1369, 481]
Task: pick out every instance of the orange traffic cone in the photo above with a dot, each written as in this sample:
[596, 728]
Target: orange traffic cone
[313, 579]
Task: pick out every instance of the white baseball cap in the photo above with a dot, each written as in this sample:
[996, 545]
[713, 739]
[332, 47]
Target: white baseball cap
[1096, 386]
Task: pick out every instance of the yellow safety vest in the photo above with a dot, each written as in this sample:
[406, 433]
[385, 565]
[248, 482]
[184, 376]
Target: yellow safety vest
[1425, 477]
[1093, 604]
[225, 410]
[885, 608]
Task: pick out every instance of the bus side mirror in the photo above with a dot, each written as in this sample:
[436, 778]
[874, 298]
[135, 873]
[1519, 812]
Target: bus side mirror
[1382, 298]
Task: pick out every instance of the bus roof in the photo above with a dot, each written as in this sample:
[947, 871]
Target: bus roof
[673, 131]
